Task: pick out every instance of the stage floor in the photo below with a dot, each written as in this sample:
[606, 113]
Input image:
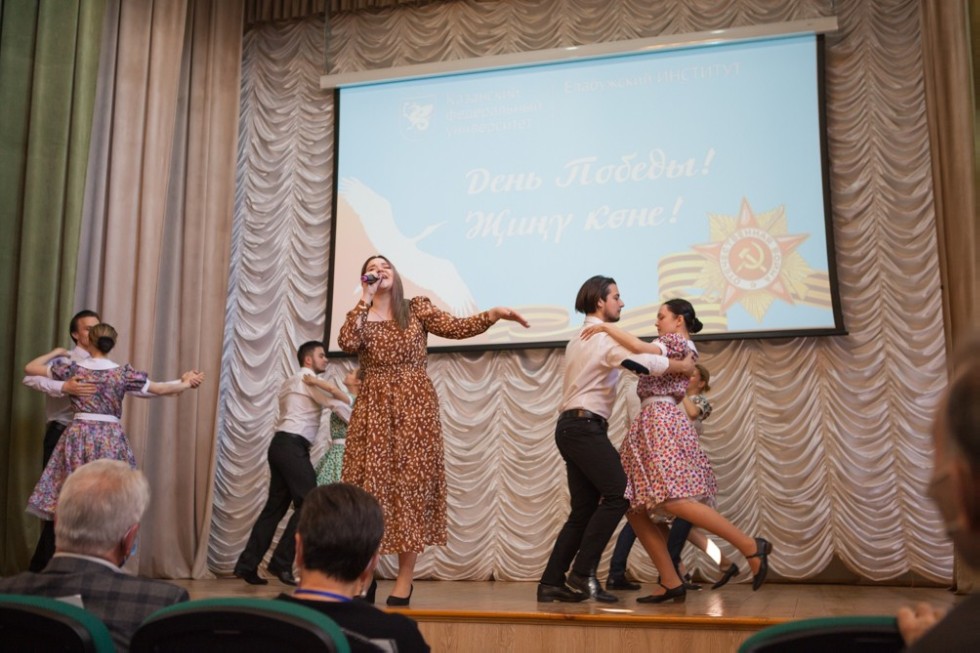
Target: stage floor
[464, 616]
[776, 602]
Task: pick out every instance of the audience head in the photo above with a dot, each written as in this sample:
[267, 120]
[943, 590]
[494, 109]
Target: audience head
[80, 324]
[99, 509]
[600, 294]
[955, 485]
[102, 337]
[683, 310]
[339, 531]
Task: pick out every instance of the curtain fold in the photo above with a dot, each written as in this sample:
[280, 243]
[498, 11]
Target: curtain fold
[946, 52]
[48, 66]
[950, 101]
[157, 233]
[820, 444]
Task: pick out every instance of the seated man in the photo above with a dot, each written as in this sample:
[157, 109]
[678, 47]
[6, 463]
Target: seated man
[955, 487]
[96, 525]
[337, 540]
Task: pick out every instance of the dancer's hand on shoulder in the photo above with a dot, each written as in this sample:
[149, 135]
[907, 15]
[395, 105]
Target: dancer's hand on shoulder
[687, 364]
[593, 329]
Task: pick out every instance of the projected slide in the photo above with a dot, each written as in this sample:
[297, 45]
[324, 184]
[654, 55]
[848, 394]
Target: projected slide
[690, 173]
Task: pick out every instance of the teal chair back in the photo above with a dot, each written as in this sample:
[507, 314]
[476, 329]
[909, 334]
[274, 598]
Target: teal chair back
[40, 623]
[238, 625]
[848, 634]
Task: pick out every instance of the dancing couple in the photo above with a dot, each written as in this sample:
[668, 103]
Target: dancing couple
[661, 470]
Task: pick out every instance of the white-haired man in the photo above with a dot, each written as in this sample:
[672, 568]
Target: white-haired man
[96, 526]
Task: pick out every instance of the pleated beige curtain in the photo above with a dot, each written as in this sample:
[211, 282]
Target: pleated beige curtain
[820, 444]
[951, 103]
[155, 243]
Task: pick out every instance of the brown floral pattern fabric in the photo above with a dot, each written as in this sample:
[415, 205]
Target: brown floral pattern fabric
[394, 441]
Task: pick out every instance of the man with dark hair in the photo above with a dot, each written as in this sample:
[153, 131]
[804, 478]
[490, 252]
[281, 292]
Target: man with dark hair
[96, 524]
[955, 487]
[596, 480]
[340, 528]
[59, 415]
[292, 474]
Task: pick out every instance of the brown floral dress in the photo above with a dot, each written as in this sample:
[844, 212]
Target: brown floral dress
[394, 441]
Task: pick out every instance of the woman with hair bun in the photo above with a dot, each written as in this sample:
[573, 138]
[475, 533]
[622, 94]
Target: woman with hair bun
[667, 472]
[95, 432]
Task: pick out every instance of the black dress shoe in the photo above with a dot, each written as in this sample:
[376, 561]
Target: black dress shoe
[560, 593]
[762, 550]
[401, 601]
[676, 594]
[620, 583]
[729, 574]
[285, 576]
[590, 585]
[251, 577]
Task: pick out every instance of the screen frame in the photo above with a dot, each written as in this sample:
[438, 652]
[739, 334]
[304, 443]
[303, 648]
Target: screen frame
[818, 27]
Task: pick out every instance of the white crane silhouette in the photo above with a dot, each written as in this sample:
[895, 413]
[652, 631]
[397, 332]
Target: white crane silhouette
[431, 272]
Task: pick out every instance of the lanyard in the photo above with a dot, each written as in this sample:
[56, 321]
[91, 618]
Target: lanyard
[328, 595]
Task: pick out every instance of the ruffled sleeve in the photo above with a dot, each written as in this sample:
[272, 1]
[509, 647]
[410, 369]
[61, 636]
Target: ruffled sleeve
[445, 325]
[351, 336]
[63, 369]
[674, 345]
[704, 406]
[133, 380]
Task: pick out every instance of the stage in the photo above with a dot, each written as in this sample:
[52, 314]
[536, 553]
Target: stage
[505, 616]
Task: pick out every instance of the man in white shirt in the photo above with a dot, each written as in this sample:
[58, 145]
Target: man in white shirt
[596, 480]
[59, 415]
[300, 406]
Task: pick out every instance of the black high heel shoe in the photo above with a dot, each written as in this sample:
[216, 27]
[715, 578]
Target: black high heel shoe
[689, 583]
[729, 574]
[762, 550]
[371, 591]
[677, 594]
[400, 601]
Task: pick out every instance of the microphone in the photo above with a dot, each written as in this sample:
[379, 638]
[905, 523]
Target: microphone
[370, 279]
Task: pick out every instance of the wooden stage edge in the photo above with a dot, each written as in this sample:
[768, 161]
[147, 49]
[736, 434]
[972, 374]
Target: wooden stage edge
[505, 616]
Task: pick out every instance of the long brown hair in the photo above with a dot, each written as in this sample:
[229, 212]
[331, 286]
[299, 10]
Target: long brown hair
[399, 305]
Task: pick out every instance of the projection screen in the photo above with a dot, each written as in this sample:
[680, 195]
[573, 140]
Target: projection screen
[696, 172]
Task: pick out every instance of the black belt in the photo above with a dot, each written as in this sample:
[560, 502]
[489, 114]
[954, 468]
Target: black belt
[295, 436]
[581, 413]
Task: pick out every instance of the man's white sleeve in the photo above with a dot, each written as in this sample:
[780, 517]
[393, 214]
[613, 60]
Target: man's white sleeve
[47, 385]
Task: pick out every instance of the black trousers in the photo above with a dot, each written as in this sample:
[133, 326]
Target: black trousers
[44, 550]
[596, 483]
[292, 478]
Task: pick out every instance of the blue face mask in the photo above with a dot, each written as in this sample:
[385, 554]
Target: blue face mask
[132, 550]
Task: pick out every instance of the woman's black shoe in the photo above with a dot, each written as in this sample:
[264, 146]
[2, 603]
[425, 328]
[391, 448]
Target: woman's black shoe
[677, 595]
[689, 583]
[401, 601]
[762, 550]
[368, 596]
[729, 574]
[620, 583]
